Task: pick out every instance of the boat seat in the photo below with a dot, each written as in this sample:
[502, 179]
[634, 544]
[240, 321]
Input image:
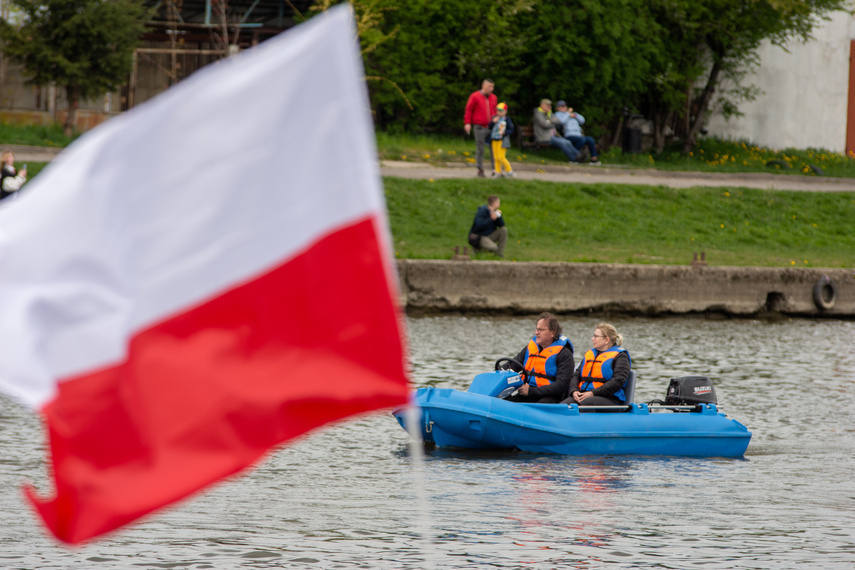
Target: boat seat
[629, 387]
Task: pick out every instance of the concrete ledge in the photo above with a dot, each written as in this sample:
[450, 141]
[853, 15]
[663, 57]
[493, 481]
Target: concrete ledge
[493, 286]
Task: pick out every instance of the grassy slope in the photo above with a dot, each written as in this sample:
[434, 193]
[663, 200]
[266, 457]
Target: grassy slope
[628, 224]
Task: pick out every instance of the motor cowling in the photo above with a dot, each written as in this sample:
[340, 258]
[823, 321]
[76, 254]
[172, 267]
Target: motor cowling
[690, 390]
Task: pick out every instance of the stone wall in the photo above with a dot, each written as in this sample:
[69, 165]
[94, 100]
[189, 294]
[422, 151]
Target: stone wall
[494, 286]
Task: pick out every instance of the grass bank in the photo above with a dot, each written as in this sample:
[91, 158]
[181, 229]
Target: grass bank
[34, 135]
[709, 155]
[609, 223]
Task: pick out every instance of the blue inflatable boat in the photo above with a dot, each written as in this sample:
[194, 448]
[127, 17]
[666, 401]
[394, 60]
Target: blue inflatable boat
[481, 419]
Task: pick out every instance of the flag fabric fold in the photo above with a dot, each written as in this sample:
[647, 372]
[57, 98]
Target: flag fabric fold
[201, 279]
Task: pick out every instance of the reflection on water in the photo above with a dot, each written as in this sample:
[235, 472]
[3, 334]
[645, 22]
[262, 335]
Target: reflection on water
[344, 497]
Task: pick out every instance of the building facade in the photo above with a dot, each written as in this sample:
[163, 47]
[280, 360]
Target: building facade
[807, 94]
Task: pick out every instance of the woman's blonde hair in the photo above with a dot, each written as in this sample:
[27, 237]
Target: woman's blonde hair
[610, 332]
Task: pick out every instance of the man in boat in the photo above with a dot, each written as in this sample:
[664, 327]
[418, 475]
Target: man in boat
[548, 362]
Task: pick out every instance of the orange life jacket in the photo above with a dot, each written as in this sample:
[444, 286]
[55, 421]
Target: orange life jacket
[540, 364]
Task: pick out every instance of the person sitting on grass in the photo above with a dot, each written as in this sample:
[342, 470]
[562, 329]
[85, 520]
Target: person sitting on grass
[500, 141]
[488, 229]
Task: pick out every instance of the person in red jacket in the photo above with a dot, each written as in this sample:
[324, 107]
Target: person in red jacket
[477, 118]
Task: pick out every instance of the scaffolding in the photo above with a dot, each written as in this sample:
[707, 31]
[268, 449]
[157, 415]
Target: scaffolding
[181, 37]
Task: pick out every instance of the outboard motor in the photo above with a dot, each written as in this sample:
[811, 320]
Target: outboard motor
[690, 390]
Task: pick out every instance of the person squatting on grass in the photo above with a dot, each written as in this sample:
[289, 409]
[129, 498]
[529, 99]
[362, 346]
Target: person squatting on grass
[480, 109]
[488, 229]
[500, 141]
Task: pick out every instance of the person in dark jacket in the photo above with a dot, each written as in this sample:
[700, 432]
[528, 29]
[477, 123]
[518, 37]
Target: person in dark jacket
[603, 372]
[488, 229]
[11, 180]
[548, 362]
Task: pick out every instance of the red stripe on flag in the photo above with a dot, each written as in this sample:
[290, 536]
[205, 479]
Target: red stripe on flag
[206, 393]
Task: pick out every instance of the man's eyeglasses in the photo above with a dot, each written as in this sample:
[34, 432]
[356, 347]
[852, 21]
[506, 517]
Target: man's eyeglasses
[540, 330]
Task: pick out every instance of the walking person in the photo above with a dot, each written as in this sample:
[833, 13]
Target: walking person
[477, 117]
[500, 142]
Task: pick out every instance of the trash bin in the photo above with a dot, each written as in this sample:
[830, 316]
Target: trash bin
[632, 140]
[631, 134]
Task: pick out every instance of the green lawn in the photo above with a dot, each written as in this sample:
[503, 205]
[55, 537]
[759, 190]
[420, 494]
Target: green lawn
[628, 224]
[606, 222]
[34, 135]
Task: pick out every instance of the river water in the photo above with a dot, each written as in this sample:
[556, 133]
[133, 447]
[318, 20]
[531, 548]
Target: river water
[352, 496]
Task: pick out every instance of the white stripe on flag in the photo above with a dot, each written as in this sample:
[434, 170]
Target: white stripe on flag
[225, 175]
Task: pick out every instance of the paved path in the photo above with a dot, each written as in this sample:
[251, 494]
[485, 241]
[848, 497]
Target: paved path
[576, 173]
[602, 174]
[24, 153]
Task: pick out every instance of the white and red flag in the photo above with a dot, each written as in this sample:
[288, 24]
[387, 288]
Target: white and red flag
[202, 279]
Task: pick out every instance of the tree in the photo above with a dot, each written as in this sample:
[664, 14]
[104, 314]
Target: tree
[596, 54]
[83, 46]
[440, 53]
[708, 41]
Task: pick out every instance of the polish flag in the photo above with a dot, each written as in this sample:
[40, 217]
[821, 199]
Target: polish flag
[201, 279]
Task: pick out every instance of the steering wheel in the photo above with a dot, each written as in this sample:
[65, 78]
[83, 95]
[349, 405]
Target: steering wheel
[512, 364]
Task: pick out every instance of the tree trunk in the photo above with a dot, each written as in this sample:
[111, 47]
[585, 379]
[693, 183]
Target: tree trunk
[617, 139]
[703, 105]
[72, 93]
[660, 127]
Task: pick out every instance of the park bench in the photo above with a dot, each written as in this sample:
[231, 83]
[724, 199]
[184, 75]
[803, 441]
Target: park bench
[526, 139]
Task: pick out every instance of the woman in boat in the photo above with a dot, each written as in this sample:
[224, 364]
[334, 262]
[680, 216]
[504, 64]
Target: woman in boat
[548, 362]
[602, 374]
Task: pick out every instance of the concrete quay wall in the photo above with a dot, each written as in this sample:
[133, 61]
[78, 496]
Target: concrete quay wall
[531, 287]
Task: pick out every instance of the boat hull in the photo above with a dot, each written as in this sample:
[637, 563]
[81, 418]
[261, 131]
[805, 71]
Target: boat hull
[451, 418]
